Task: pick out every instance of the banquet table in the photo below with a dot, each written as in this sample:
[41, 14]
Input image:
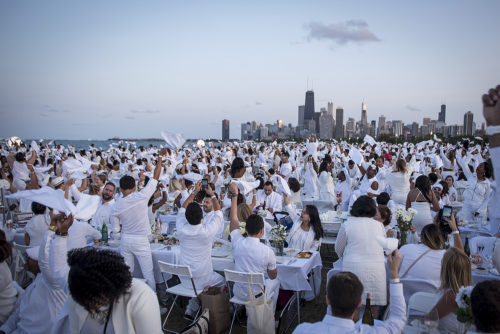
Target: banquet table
[292, 272]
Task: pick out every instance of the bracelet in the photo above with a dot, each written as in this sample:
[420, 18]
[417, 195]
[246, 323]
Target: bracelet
[455, 232]
[395, 281]
[52, 228]
[492, 130]
[213, 196]
[62, 234]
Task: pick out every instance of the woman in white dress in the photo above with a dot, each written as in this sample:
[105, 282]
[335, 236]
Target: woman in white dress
[451, 188]
[311, 184]
[307, 232]
[455, 273]
[422, 199]
[343, 189]
[399, 182]
[326, 187]
[361, 253]
[8, 293]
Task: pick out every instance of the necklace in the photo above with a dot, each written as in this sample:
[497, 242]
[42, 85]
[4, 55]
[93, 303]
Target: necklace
[99, 315]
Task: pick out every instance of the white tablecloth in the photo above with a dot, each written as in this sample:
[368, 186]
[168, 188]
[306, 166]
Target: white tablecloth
[292, 276]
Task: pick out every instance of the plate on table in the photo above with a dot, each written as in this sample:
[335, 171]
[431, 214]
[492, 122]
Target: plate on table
[494, 271]
[157, 246]
[113, 243]
[481, 271]
[304, 255]
[221, 251]
[282, 259]
[473, 225]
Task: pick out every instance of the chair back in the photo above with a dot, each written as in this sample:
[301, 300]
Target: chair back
[19, 260]
[175, 269]
[324, 206]
[420, 303]
[412, 286]
[242, 277]
[487, 242]
[331, 227]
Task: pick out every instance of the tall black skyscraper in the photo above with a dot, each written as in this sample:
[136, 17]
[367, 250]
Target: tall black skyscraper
[225, 129]
[339, 125]
[309, 106]
[442, 114]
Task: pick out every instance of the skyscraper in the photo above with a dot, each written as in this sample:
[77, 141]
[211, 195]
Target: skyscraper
[381, 125]
[301, 117]
[330, 108]
[364, 121]
[309, 106]
[442, 114]
[468, 120]
[339, 125]
[326, 124]
[225, 129]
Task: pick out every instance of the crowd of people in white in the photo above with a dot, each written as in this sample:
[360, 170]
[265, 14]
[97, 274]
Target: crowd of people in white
[74, 195]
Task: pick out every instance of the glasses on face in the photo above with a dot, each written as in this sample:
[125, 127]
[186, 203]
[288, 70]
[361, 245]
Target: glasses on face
[436, 189]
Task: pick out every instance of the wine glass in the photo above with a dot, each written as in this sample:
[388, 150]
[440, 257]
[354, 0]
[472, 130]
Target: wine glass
[431, 320]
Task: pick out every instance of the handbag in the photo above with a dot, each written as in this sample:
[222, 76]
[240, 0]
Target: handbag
[200, 326]
[216, 300]
[260, 313]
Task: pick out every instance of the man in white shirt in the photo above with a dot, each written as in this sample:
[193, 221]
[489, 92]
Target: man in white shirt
[344, 292]
[195, 235]
[250, 255]
[131, 212]
[286, 168]
[269, 199]
[103, 213]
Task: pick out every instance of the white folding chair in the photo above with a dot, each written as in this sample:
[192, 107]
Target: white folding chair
[412, 286]
[486, 242]
[19, 260]
[246, 278]
[324, 206]
[420, 303]
[179, 289]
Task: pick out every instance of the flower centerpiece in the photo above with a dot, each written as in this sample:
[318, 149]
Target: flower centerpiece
[464, 312]
[404, 219]
[243, 230]
[278, 234]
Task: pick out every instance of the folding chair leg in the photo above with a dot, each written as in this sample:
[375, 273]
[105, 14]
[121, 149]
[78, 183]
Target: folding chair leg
[166, 318]
[232, 321]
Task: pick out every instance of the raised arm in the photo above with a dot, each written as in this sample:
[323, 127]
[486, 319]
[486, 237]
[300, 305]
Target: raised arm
[234, 223]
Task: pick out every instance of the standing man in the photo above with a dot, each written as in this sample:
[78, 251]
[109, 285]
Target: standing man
[131, 212]
[103, 213]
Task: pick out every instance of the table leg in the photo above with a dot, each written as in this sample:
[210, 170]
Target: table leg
[297, 294]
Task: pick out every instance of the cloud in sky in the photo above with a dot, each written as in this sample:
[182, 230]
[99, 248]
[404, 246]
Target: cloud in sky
[258, 103]
[129, 117]
[411, 108]
[144, 111]
[44, 114]
[341, 33]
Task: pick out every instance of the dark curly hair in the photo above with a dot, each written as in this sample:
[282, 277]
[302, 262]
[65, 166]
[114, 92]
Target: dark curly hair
[97, 276]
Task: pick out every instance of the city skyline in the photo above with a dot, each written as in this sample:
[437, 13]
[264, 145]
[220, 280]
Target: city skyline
[101, 69]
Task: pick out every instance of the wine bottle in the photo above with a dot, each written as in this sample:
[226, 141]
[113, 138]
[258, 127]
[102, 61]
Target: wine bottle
[104, 233]
[466, 246]
[367, 314]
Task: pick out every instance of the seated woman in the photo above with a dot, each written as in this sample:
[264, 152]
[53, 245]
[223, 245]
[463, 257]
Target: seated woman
[8, 293]
[362, 254]
[37, 225]
[306, 232]
[455, 273]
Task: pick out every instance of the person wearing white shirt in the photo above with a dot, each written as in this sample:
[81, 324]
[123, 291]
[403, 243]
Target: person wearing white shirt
[326, 187]
[131, 212]
[250, 255]
[307, 232]
[37, 225]
[268, 199]
[42, 300]
[344, 291]
[285, 169]
[195, 235]
[103, 212]
[79, 232]
[343, 189]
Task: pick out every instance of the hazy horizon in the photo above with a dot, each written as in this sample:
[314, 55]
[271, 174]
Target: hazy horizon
[94, 69]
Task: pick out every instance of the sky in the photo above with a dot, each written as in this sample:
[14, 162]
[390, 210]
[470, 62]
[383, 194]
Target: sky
[98, 69]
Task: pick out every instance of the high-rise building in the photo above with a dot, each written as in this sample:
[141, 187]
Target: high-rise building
[225, 129]
[350, 127]
[330, 108]
[316, 123]
[397, 128]
[339, 123]
[280, 124]
[309, 105]
[442, 114]
[301, 117]
[381, 125]
[326, 124]
[426, 121]
[468, 120]
[414, 129]
[364, 121]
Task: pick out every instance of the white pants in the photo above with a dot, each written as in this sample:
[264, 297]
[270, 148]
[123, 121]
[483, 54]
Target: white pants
[272, 288]
[138, 246]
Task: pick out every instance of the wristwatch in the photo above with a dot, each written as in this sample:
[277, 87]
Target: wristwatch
[395, 280]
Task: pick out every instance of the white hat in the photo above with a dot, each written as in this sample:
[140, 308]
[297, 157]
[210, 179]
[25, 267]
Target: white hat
[57, 181]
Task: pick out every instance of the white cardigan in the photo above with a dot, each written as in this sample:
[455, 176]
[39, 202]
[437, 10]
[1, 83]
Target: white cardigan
[135, 312]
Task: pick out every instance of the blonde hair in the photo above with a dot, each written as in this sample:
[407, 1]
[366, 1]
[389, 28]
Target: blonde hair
[455, 270]
[243, 211]
[174, 186]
